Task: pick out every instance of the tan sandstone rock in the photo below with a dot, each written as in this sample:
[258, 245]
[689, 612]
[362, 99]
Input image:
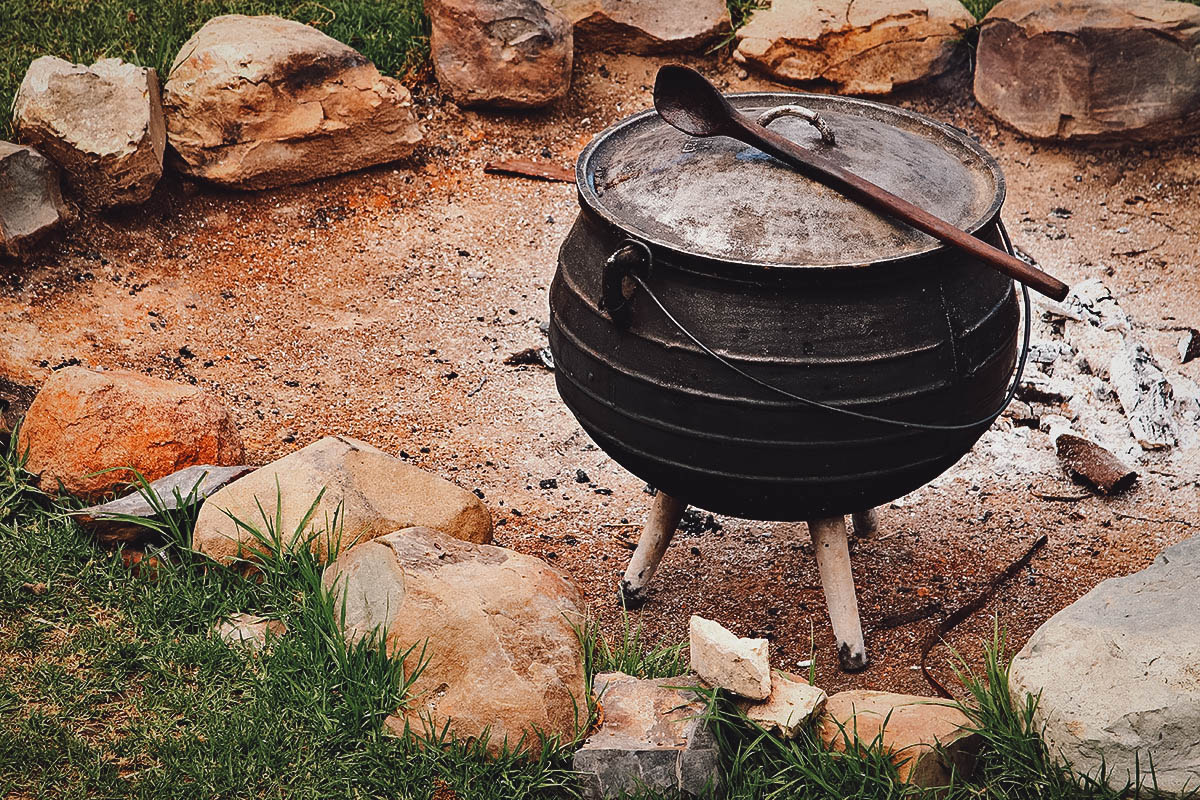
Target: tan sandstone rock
[495, 629]
[793, 702]
[500, 53]
[257, 102]
[84, 421]
[31, 205]
[102, 124]
[915, 728]
[1098, 69]
[859, 46]
[367, 493]
[726, 661]
[646, 27]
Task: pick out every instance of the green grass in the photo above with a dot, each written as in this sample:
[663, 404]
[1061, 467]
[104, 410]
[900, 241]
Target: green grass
[111, 686]
[392, 33]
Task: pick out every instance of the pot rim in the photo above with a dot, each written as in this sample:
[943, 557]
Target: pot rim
[591, 202]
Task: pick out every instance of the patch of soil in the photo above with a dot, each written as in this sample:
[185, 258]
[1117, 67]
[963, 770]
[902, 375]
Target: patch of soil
[384, 304]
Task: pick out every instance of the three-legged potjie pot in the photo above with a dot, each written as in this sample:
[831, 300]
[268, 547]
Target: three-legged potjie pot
[753, 343]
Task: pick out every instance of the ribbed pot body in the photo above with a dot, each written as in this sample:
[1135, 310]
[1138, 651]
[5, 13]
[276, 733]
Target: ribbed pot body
[930, 339]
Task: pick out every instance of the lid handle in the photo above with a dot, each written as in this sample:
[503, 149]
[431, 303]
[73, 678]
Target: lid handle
[806, 114]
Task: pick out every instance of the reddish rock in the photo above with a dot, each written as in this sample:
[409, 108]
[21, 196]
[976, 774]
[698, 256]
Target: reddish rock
[1099, 69]
[925, 736]
[84, 421]
[500, 53]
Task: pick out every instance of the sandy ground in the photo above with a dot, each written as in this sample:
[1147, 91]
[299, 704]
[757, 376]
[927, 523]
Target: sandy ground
[383, 304]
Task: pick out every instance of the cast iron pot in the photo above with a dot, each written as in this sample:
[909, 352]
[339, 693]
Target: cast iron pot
[703, 282]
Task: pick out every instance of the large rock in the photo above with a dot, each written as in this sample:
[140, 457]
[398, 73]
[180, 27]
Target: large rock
[652, 736]
[1117, 673]
[102, 124]
[726, 661]
[1075, 69]
[84, 421]
[858, 46]
[367, 493]
[496, 630]
[257, 102]
[500, 53]
[927, 738]
[646, 26]
[31, 205]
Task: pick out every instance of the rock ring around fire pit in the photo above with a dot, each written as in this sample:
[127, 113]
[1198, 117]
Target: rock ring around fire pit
[706, 289]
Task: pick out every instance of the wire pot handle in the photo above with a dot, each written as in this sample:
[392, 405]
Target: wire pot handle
[806, 114]
[621, 277]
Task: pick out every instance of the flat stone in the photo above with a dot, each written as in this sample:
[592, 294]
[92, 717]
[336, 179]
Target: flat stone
[1116, 671]
[925, 736]
[495, 630]
[192, 483]
[500, 53]
[646, 27]
[249, 631]
[31, 204]
[652, 737]
[726, 661]
[858, 46]
[85, 421]
[103, 125]
[367, 493]
[1091, 69]
[793, 702]
[258, 102]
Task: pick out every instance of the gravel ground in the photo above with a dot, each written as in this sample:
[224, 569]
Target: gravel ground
[383, 305]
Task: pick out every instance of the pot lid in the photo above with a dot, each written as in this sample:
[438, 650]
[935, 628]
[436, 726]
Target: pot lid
[720, 199]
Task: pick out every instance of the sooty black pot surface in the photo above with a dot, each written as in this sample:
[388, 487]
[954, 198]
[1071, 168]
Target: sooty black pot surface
[795, 285]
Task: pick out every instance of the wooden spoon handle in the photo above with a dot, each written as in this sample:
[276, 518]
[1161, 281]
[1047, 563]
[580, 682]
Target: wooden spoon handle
[880, 199]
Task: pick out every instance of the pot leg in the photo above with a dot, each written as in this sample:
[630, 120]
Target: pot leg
[833, 561]
[652, 544]
[866, 522]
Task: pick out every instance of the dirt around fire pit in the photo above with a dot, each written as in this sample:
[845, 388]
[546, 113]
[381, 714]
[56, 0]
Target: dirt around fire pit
[383, 305]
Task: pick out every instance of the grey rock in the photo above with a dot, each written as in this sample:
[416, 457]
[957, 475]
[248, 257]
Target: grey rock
[1117, 670]
[102, 124]
[202, 480]
[653, 737]
[31, 205]
[1091, 69]
[500, 53]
